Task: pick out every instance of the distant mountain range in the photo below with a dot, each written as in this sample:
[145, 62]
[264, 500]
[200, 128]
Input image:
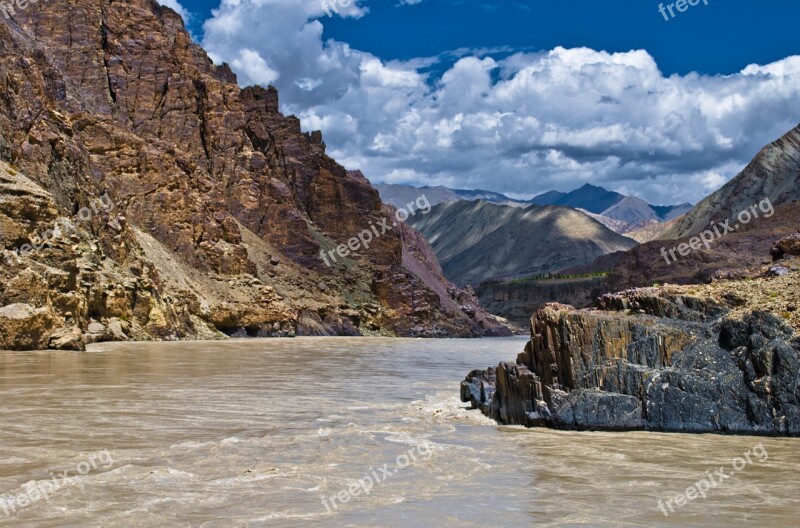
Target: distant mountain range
[476, 240]
[613, 207]
[400, 195]
[616, 211]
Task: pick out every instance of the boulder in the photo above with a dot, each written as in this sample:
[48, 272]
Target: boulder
[23, 327]
[67, 339]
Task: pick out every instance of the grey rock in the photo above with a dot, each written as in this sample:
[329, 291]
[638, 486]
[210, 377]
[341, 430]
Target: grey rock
[697, 371]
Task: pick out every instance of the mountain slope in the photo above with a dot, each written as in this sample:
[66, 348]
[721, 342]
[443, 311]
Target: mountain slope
[476, 241]
[548, 198]
[631, 210]
[774, 173]
[590, 197]
[617, 211]
[221, 204]
[400, 195]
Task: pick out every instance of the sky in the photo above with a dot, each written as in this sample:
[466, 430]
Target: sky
[522, 97]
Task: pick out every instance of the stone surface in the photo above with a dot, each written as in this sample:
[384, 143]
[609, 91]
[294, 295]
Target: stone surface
[787, 246]
[67, 339]
[198, 210]
[25, 327]
[658, 359]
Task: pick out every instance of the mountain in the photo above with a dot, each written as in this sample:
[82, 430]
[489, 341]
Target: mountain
[196, 208]
[477, 241]
[774, 174]
[590, 197]
[548, 198]
[400, 195]
[617, 226]
[665, 213]
[614, 210]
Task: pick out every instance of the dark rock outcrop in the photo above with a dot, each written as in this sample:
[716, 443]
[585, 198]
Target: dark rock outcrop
[651, 359]
[785, 247]
[517, 299]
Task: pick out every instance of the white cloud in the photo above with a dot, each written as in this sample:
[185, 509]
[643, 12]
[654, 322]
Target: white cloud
[520, 124]
[177, 7]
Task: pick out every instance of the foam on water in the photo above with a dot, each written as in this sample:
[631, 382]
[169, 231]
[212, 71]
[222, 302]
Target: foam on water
[261, 438]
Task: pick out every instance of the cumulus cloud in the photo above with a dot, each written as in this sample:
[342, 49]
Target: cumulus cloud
[177, 7]
[522, 123]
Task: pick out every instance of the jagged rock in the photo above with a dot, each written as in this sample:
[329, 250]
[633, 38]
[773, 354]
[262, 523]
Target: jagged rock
[653, 359]
[67, 339]
[23, 327]
[96, 328]
[117, 329]
[188, 188]
[788, 246]
[778, 271]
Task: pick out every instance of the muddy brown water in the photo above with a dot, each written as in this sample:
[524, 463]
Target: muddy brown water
[251, 433]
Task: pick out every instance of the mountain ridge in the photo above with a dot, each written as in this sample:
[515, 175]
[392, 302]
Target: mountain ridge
[478, 241]
[614, 210]
[222, 204]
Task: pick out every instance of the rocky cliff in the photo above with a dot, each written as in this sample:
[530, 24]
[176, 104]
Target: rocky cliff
[516, 300]
[721, 358]
[215, 205]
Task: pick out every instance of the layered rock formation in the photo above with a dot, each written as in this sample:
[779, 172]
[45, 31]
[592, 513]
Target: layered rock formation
[723, 358]
[220, 205]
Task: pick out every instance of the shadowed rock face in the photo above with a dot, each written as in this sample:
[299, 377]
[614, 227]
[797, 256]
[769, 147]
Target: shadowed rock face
[221, 204]
[516, 300]
[650, 359]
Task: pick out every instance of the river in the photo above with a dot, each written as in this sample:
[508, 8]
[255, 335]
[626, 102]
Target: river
[339, 432]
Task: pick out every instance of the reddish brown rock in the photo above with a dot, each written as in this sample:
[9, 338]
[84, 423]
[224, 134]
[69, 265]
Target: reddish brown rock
[220, 204]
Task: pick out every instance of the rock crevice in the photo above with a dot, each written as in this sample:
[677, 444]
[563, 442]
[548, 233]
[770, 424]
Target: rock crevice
[649, 359]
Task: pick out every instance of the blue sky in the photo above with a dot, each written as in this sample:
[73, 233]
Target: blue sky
[524, 96]
[723, 37]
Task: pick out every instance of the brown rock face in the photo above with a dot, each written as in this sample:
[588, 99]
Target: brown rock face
[785, 247]
[214, 206]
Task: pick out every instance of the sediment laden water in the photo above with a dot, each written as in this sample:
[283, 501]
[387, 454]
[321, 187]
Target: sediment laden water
[266, 432]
